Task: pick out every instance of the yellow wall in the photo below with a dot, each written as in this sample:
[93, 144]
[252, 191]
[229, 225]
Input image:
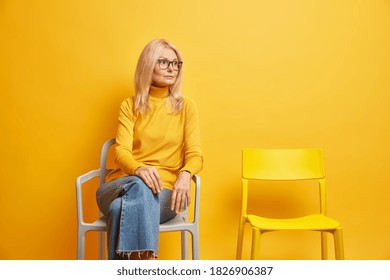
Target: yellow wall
[264, 74]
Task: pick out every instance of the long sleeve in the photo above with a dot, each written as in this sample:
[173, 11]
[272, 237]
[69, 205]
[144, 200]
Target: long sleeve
[124, 158]
[193, 159]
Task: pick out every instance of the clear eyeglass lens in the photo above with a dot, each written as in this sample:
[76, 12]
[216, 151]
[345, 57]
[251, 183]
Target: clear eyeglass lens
[164, 64]
[175, 65]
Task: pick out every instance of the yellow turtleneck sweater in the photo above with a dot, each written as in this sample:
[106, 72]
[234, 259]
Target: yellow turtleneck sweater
[170, 142]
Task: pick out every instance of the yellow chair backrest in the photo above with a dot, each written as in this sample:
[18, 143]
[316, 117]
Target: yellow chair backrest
[283, 164]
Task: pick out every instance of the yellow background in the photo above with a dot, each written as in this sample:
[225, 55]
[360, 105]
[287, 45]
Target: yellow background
[264, 74]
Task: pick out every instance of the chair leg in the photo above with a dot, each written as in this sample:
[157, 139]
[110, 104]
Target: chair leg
[195, 245]
[324, 246]
[102, 245]
[80, 244]
[184, 245]
[338, 244]
[240, 240]
[256, 235]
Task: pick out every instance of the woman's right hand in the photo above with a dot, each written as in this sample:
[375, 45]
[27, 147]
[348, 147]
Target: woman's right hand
[150, 177]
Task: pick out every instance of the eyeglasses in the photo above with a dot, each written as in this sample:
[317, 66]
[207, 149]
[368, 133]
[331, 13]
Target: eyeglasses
[165, 63]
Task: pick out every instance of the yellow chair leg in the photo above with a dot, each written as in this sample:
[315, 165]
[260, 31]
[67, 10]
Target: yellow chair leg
[240, 240]
[255, 254]
[338, 244]
[324, 246]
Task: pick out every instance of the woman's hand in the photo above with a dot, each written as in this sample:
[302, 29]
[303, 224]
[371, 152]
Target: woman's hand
[181, 192]
[150, 177]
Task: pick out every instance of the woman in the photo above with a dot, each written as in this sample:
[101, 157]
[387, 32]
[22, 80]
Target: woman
[158, 150]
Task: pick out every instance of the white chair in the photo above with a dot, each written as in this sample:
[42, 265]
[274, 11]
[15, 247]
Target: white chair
[179, 223]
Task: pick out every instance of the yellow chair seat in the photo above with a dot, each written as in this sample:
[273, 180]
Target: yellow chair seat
[312, 222]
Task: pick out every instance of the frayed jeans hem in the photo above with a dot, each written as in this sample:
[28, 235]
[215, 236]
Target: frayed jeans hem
[127, 254]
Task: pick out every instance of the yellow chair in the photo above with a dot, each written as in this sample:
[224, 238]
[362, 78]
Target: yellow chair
[286, 165]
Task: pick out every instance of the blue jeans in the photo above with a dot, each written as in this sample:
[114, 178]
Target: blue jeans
[133, 215]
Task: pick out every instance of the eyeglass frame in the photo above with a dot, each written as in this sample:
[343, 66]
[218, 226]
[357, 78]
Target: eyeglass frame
[179, 64]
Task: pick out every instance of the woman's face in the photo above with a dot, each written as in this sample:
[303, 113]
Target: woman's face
[166, 69]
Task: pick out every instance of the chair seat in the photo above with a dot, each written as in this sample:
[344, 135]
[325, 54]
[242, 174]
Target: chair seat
[177, 223]
[179, 220]
[310, 222]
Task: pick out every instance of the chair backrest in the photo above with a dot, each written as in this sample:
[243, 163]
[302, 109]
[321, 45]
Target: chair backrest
[103, 159]
[283, 165]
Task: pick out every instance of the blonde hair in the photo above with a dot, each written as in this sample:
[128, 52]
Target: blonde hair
[143, 78]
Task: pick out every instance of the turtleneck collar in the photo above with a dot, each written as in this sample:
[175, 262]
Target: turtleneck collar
[159, 92]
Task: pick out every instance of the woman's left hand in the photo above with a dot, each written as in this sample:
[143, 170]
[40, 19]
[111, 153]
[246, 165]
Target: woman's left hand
[181, 192]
